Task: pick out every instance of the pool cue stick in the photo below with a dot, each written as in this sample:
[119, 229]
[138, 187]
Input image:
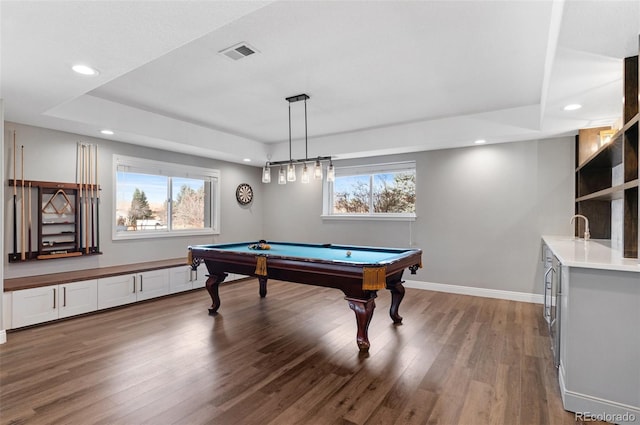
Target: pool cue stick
[93, 240]
[97, 205]
[86, 197]
[23, 254]
[29, 232]
[79, 181]
[15, 201]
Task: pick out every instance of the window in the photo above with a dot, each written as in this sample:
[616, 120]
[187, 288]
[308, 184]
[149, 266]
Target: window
[375, 191]
[154, 199]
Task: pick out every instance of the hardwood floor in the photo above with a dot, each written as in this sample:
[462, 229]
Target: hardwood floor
[290, 358]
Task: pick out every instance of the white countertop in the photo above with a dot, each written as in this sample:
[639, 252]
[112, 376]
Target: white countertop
[593, 254]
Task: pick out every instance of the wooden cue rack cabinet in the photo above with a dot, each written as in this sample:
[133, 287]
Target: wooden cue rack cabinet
[607, 178]
[59, 221]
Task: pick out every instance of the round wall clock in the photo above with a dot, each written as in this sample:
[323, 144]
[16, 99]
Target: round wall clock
[244, 194]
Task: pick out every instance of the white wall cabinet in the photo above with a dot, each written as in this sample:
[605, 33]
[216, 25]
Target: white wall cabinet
[124, 289]
[38, 305]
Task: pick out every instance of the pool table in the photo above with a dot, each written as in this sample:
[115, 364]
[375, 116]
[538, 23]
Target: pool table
[358, 271]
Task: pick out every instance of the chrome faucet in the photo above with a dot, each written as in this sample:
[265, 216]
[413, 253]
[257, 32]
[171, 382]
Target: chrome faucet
[587, 235]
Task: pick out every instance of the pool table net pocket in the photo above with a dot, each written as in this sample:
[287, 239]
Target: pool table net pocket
[261, 265]
[374, 278]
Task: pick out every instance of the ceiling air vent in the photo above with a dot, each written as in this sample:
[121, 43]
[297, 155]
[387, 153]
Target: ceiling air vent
[239, 51]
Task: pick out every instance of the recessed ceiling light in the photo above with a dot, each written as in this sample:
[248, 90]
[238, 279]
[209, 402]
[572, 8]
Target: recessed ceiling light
[84, 70]
[572, 107]
[109, 132]
[247, 160]
[480, 142]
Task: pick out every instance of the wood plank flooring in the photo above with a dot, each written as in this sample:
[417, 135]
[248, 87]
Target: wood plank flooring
[290, 358]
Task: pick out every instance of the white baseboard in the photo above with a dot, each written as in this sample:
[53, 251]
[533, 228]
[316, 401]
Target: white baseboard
[590, 408]
[3, 336]
[477, 292]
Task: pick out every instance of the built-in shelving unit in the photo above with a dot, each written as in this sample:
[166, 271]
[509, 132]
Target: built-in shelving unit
[610, 173]
[64, 224]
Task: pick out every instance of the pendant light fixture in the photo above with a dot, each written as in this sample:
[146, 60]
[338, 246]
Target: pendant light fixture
[290, 174]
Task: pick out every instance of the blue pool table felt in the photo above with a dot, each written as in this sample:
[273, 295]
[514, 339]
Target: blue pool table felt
[319, 252]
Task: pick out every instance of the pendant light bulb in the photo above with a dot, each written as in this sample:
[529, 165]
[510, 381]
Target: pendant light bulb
[305, 174]
[266, 174]
[317, 172]
[291, 172]
[282, 177]
[331, 173]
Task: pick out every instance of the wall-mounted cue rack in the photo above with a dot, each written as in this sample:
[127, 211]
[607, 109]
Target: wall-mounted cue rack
[66, 221]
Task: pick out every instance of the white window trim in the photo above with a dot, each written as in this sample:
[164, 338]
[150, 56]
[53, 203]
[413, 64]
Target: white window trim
[372, 217]
[170, 170]
[327, 191]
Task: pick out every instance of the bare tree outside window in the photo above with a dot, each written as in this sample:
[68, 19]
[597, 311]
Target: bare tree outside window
[394, 193]
[381, 193]
[353, 196]
[187, 209]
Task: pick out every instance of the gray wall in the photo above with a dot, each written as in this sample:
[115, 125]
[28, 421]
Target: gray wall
[484, 209]
[51, 156]
[480, 212]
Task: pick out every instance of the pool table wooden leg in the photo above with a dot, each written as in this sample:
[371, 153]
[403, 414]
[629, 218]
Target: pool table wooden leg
[263, 286]
[215, 279]
[397, 294]
[364, 313]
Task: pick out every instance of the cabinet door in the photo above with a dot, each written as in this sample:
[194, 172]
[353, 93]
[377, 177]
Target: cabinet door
[78, 298]
[36, 305]
[152, 284]
[180, 279]
[116, 290]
